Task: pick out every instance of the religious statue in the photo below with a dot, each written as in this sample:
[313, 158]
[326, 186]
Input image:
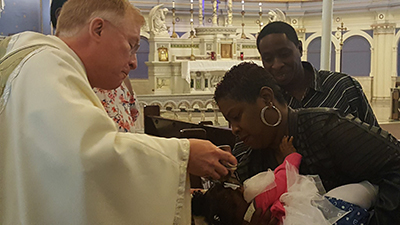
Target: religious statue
[157, 21]
[222, 20]
[276, 15]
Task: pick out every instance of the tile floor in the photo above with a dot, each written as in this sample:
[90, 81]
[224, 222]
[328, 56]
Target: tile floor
[382, 110]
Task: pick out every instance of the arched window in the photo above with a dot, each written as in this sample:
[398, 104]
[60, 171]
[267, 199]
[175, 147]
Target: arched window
[314, 54]
[356, 56]
[141, 72]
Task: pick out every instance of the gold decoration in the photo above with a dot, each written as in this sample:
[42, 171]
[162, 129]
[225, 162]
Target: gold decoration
[162, 54]
[226, 50]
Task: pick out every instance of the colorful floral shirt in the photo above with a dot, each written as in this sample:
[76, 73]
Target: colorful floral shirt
[120, 106]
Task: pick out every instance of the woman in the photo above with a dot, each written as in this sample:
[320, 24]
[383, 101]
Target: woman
[290, 197]
[341, 150]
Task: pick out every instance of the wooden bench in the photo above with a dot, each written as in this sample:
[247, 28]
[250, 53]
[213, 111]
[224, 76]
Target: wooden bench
[159, 126]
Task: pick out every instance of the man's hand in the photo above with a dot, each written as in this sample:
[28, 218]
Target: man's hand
[205, 159]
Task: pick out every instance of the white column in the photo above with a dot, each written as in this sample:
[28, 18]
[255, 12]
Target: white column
[327, 11]
[338, 59]
[382, 59]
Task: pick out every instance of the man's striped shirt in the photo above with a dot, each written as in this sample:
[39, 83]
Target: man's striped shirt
[335, 90]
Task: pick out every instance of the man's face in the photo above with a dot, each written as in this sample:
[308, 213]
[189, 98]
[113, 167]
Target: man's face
[281, 57]
[117, 54]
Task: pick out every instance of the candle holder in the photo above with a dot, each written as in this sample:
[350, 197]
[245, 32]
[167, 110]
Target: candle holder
[192, 57]
[243, 35]
[341, 29]
[174, 34]
[260, 21]
[191, 24]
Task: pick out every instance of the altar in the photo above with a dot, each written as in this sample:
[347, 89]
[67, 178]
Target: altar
[183, 71]
[208, 66]
[189, 77]
[193, 65]
[196, 61]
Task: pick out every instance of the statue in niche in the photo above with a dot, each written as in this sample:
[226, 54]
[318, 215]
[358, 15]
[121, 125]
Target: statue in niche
[157, 21]
[276, 15]
[222, 19]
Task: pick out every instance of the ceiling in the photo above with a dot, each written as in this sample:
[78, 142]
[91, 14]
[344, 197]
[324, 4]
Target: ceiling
[304, 7]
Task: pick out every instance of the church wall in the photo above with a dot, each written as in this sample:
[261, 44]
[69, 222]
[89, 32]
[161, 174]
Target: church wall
[25, 15]
[358, 17]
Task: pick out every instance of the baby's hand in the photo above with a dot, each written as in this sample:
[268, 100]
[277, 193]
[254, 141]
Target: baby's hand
[286, 146]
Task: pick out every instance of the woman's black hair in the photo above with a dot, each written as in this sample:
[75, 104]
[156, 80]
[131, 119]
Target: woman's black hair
[217, 205]
[278, 27]
[55, 11]
[243, 82]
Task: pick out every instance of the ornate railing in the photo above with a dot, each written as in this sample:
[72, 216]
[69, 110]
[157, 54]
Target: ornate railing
[186, 107]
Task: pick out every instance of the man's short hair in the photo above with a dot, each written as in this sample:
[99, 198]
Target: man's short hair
[77, 13]
[278, 27]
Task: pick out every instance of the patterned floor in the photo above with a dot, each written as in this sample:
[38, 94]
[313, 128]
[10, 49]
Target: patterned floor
[382, 110]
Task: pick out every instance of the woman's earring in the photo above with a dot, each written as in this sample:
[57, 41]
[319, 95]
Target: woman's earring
[263, 116]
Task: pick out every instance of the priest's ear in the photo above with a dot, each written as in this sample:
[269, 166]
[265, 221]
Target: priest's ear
[96, 27]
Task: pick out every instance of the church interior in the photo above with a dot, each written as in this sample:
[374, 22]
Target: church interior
[187, 45]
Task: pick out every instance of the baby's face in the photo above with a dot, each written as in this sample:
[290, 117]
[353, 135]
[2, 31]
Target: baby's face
[241, 205]
[228, 206]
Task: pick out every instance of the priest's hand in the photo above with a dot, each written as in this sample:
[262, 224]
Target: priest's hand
[206, 159]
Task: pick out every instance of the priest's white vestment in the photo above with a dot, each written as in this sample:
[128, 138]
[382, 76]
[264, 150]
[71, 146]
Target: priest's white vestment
[62, 160]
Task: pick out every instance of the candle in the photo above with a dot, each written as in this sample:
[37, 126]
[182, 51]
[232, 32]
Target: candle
[191, 4]
[242, 5]
[173, 4]
[260, 4]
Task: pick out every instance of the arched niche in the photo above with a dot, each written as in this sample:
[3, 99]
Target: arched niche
[314, 53]
[141, 72]
[356, 56]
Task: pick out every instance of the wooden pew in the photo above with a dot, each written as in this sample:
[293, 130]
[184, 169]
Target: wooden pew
[156, 125]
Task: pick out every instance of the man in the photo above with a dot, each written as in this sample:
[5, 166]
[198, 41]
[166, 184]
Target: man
[306, 87]
[119, 103]
[303, 87]
[62, 159]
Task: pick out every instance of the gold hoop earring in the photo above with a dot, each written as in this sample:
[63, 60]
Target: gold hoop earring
[265, 121]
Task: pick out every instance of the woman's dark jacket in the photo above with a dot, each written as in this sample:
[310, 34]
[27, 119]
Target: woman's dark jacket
[341, 150]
